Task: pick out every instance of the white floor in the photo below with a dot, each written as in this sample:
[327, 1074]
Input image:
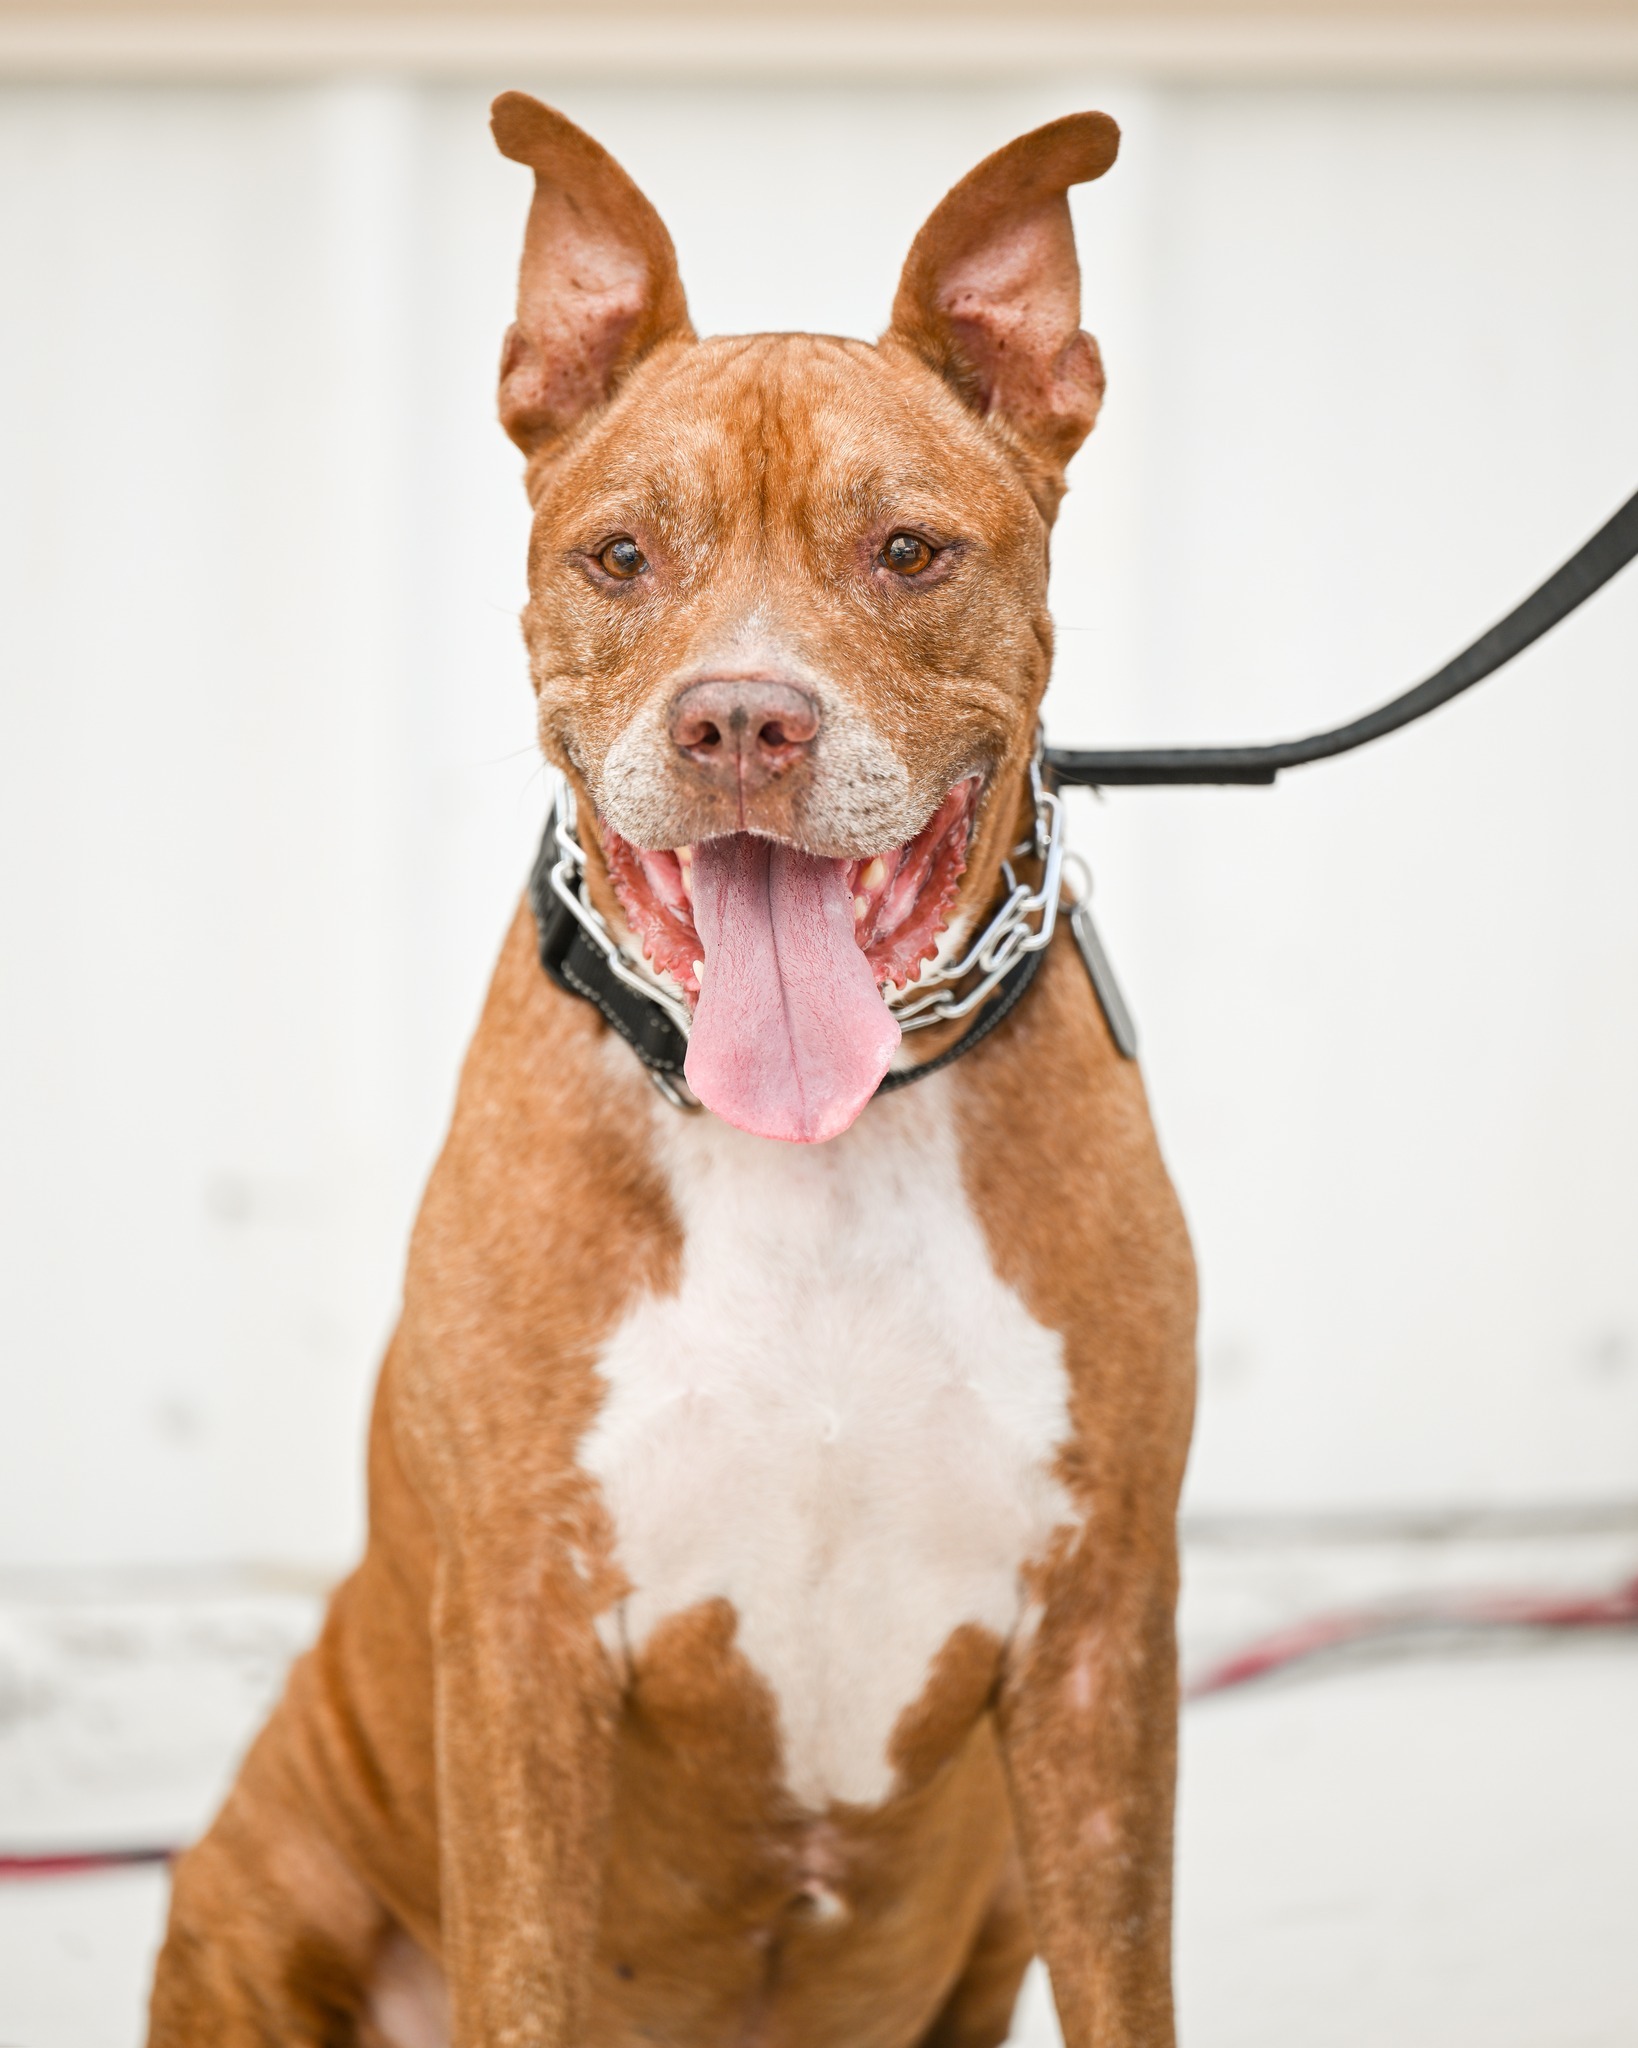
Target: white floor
[1438, 1853]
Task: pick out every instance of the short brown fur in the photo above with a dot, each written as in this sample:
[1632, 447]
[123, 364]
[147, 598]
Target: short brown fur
[595, 1848]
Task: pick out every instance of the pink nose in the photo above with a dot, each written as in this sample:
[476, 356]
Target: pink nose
[744, 734]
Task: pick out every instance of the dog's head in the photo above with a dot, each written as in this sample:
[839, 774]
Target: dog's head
[787, 597]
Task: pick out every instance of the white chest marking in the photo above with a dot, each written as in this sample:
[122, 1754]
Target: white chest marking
[842, 1422]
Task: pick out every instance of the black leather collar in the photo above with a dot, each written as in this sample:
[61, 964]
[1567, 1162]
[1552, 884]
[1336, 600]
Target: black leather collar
[576, 966]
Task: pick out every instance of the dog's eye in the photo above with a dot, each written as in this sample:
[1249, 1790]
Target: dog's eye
[622, 557]
[906, 554]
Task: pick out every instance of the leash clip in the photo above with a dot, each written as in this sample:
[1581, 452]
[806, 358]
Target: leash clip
[1096, 962]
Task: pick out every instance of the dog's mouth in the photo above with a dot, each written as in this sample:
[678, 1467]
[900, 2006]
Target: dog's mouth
[785, 955]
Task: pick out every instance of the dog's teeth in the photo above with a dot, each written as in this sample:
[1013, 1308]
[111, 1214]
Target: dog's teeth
[861, 909]
[699, 974]
[874, 875]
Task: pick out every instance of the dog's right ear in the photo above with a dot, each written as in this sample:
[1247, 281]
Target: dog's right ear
[598, 286]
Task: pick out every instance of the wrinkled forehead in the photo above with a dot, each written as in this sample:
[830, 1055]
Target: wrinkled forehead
[804, 432]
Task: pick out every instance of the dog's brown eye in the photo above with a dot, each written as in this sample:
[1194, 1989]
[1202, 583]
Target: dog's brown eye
[622, 557]
[907, 554]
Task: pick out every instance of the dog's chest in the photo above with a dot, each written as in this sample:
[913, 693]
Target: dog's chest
[842, 1423]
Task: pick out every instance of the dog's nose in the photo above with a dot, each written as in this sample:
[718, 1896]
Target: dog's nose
[744, 734]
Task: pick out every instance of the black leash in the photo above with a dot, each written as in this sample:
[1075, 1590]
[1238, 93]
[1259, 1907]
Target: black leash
[577, 967]
[1609, 551]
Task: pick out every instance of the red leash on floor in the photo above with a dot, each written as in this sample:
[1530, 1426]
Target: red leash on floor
[1259, 1659]
[1477, 1614]
[74, 1863]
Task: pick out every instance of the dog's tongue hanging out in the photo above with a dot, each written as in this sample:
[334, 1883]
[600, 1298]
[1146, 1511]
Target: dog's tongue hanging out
[791, 1036]
[785, 952]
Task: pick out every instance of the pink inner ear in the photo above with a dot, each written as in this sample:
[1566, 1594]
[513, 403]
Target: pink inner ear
[562, 356]
[1011, 313]
[1013, 307]
[1021, 263]
[990, 296]
[598, 286]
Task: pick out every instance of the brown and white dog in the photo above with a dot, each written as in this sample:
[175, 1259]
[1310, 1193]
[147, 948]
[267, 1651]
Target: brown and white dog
[765, 1633]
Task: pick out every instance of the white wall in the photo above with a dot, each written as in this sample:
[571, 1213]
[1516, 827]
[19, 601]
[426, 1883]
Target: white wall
[268, 792]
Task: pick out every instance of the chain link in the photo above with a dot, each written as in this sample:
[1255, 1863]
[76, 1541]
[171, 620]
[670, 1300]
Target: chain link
[1023, 924]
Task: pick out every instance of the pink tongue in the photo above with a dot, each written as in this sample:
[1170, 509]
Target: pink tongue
[791, 1035]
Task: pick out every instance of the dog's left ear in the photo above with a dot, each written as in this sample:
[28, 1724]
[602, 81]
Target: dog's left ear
[991, 294]
[598, 287]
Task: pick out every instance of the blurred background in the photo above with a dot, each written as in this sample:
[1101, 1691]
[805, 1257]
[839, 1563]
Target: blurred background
[1366, 283]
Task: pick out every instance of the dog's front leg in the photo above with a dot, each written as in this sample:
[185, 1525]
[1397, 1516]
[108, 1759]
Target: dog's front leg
[526, 1704]
[1088, 1720]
